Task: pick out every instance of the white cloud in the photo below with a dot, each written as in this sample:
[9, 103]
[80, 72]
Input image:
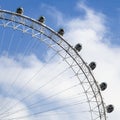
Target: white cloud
[5, 114]
[57, 83]
[55, 14]
[91, 31]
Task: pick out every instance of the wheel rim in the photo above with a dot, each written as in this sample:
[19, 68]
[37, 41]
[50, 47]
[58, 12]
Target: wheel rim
[66, 51]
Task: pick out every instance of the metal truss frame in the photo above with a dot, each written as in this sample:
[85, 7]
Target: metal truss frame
[45, 34]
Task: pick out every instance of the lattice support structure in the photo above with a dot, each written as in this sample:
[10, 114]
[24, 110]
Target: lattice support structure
[66, 51]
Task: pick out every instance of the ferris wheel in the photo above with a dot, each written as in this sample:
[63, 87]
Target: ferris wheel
[42, 76]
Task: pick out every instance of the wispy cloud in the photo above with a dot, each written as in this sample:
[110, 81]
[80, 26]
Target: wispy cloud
[54, 13]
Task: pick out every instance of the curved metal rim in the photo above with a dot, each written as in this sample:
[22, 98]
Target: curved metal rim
[55, 33]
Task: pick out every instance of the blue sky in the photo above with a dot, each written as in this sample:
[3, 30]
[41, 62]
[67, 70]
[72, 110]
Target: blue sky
[96, 24]
[108, 7]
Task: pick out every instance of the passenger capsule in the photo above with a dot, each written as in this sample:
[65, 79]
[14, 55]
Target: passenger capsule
[92, 65]
[110, 108]
[61, 32]
[103, 86]
[78, 47]
[19, 10]
[41, 19]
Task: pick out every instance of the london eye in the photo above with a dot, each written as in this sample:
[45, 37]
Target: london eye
[43, 77]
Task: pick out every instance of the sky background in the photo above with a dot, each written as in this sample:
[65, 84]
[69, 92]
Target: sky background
[95, 24]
